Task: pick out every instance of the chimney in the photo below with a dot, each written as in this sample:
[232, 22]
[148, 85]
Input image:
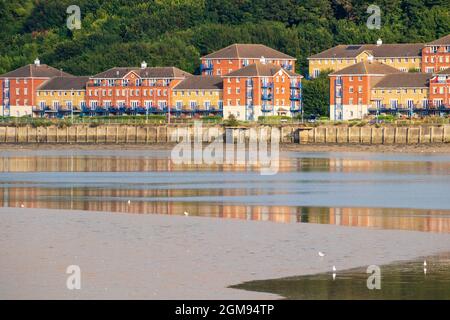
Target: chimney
[379, 42]
[143, 65]
[262, 60]
[37, 62]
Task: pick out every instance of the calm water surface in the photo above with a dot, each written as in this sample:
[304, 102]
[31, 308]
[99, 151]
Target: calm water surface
[405, 280]
[387, 191]
[371, 190]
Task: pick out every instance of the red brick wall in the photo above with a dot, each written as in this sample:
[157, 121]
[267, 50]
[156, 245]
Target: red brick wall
[346, 95]
[19, 99]
[438, 60]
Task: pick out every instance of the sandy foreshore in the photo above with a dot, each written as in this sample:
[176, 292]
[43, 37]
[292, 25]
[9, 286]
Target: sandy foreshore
[387, 148]
[175, 257]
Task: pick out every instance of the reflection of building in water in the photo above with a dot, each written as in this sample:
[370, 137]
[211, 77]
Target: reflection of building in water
[124, 164]
[116, 200]
[386, 218]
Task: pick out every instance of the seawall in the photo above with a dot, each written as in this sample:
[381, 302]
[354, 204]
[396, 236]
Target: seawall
[123, 134]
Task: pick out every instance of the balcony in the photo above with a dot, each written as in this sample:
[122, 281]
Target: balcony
[267, 97]
[296, 86]
[286, 66]
[206, 67]
[266, 85]
[249, 83]
[295, 109]
[295, 98]
[266, 109]
[249, 94]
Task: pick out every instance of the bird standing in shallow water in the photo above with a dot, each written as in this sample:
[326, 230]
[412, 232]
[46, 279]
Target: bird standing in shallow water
[321, 254]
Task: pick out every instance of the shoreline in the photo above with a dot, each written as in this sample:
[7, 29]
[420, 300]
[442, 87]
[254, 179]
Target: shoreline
[435, 148]
[175, 257]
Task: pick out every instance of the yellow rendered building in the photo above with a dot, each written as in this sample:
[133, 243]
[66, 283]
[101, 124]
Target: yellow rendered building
[198, 93]
[66, 93]
[404, 57]
[401, 91]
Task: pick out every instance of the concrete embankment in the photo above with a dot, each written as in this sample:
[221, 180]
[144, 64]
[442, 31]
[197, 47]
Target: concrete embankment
[123, 134]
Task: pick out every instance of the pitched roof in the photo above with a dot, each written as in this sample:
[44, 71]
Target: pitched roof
[404, 80]
[201, 82]
[367, 68]
[37, 71]
[65, 83]
[151, 72]
[445, 71]
[378, 51]
[260, 70]
[445, 40]
[248, 51]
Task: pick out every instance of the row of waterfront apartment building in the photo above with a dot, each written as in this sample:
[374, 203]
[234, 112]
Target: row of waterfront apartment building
[244, 80]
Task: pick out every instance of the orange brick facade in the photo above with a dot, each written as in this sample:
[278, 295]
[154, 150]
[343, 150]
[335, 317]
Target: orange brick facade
[18, 95]
[221, 67]
[440, 90]
[435, 58]
[130, 91]
[247, 98]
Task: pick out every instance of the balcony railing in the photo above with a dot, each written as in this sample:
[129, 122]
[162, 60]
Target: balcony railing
[267, 108]
[206, 67]
[286, 66]
[267, 85]
[266, 96]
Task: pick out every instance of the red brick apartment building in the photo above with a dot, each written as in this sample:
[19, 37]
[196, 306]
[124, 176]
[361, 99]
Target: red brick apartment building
[261, 89]
[123, 88]
[350, 89]
[436, 55]
[237, 56]
[439, 94]
[18, 88]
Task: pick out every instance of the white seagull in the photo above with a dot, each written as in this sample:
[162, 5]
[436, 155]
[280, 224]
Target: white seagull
[334, 268]
[129, 202]
[321, 254]
[186, 213]
[22, 205]
[425, 263]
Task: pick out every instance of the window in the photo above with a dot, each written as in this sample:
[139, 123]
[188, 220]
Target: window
[350, 79]
[350, 89]
[162, 104]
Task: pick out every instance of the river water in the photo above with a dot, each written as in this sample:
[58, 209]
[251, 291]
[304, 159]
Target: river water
[388, 191]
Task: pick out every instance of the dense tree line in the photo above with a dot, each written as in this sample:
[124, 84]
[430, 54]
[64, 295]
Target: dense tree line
[178, 32]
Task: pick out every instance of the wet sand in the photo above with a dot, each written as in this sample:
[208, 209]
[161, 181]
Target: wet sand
[388, 148]
[125, 256]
